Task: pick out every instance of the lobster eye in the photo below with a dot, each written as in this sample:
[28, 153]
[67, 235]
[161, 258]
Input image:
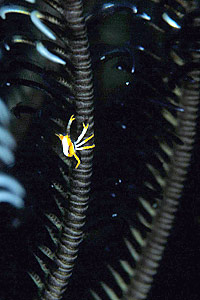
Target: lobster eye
[60, 136]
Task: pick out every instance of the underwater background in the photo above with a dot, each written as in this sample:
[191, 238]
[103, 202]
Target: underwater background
[134, 49]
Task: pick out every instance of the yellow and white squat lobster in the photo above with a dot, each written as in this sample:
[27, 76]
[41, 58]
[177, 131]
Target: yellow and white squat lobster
[70, 147]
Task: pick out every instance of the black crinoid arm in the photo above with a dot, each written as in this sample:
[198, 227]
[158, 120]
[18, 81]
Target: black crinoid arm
[46, 64]
[143, 57]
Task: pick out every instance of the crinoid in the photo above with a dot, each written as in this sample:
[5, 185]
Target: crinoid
[144, 58]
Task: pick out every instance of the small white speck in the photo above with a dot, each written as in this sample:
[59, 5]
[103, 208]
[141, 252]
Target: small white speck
[133, 69]
[141, 48]
[114, 215]
[108, 5]
[119, 68]
[7, 47]
[145, 17]
[134, 9]
[119, 181]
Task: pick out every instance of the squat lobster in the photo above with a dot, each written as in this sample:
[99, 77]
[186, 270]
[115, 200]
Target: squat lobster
[70, 147]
